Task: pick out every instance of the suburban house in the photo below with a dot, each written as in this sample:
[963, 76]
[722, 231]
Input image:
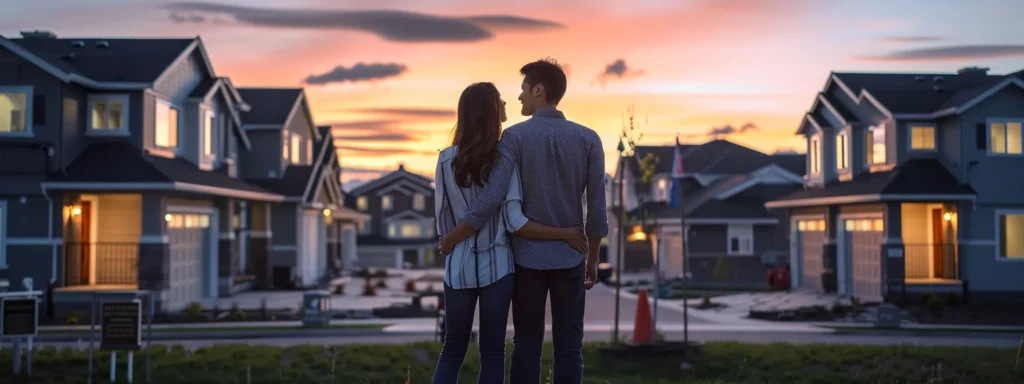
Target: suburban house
[120, 171]
[400, 229]
[730, 236]
[910, 186]
[298, 160]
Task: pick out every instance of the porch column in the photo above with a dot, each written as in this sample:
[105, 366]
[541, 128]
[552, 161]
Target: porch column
[350, 257]
[829, 277]
[154, 249]
[226, 252]
[259, 243]
[419, 257]
[333, 246]
[894, 265]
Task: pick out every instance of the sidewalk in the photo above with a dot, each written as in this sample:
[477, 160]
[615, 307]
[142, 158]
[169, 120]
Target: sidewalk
[239, 324]
[923, 327]
[723, 316]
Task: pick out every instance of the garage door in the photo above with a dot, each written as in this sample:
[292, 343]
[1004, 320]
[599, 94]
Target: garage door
[189, 242]
[811, 239]
[865, 237]
[310, 247]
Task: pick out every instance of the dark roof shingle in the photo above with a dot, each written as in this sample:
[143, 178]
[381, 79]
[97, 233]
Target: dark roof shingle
[914, 177]
[268, 105]
[122, 60]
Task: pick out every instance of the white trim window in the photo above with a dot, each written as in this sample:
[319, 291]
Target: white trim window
[362, 204]
[296, 142]
[874, 144]
[1005, 137]
[108, 114]
[842, 150]
[411, 230]
[392, 230]
[285, 137]
[740, 240]
[16, 110]
[167, 125]
[419, 201]
[1010, 236]
[814, 155]
[922, 137]
[209, 134]
[3, 234]
[386, 203]
[309, 151]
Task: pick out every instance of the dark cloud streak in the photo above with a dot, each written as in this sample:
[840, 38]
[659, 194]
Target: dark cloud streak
[729, 129]
[950, 53]
[392, 25]
[357, 73]
[407, 112]
[617, 70]
[913, 39]
[381, 152]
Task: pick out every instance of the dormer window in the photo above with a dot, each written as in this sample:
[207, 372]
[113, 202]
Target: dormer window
[167, 125]
[874, 144]
[1005, 137]
[209, 124]
[814, 154]
[108, 115]
[842, 150]
[922, 137]
[419, 202]
[296, 142]
[386, 203]
[362, 204]
[309, 151]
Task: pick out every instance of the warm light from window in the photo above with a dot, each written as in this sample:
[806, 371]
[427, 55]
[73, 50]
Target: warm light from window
[75, 211]
[947, 216]
[167, 217]
[327, 212]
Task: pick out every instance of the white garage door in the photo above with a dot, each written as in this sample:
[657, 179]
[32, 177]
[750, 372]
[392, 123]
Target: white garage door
[310, 244]
[189, 236]
[864, 243]
[810, 237]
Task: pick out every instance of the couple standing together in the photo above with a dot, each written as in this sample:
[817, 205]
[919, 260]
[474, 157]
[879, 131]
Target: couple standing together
[521, 214]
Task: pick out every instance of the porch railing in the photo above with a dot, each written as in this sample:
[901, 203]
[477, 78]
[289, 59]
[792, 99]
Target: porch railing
[101, 263]
[934, 260]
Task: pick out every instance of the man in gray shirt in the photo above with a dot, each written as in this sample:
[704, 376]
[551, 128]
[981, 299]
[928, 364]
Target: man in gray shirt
[560, 163]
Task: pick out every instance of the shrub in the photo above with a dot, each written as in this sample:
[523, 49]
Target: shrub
[74, 318]
[364, 272]
[380, 273]
[339, 289]
[382, 284]
[705, 301]
[194, 310]
[721, 271]
[369, 289]
[953, 300]
[410, 285]
[236, 313]
[935, 304]
[926, 298]
[215, 312]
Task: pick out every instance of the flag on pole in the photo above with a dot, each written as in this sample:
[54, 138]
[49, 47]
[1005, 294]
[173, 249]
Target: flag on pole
[677, 173]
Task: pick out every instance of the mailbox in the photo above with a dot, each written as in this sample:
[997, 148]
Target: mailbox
[316, 308]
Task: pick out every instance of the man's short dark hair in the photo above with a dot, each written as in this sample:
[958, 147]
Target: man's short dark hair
[548, 73]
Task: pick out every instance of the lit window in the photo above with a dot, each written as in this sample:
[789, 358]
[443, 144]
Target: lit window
[208, 126]
[392, 230]
[15, 109]
[284, 144]
[296, 147]
[109, 113]
[1011, 236]
[166, 125]
[842, 156]
[361, 203]
[419, 202]
[815, 155]
[411, 230]
[309, 151]
[922, 137]
[385, 203]
[1005, 137]
[874, 144]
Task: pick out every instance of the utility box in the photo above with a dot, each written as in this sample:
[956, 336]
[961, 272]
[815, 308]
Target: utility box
[316, 308]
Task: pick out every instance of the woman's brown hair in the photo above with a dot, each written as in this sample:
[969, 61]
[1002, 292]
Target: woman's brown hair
[477, 132]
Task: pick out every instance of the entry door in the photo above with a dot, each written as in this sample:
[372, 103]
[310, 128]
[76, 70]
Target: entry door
[938, 240]
[85, 259]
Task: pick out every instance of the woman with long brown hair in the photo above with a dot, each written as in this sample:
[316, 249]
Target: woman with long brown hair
[480, 268]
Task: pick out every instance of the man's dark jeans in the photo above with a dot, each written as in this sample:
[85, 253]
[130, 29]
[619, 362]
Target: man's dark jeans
[459, 308]
[568, 298]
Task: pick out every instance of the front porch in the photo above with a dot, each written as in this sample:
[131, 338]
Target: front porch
[931, 248]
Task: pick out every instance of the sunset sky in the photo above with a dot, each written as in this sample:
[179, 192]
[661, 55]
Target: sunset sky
[389, 79]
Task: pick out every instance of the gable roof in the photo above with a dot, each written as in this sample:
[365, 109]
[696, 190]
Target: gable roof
[102, 62]
[401, 173]
[275, 108]
[792, 162]
[715, 157]
[291, 184]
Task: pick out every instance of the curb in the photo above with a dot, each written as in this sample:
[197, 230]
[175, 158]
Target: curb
[925, 333]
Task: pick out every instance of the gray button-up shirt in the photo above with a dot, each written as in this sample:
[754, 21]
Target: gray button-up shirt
[562, 168]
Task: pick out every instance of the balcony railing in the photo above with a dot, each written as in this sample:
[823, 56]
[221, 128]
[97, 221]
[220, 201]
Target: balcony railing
[937, 260]
[101, 264]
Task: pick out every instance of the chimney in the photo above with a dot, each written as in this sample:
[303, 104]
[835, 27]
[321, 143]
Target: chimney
[973, 71]
[38, 35]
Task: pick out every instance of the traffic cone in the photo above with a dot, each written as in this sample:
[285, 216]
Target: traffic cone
[642, 325]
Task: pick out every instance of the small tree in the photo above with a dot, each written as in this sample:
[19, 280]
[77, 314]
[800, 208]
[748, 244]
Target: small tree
[721, 271]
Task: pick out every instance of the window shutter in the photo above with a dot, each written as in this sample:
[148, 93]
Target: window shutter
[38, 110]
[980, 136]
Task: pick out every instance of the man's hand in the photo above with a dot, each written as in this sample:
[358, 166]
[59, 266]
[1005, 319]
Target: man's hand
[591, 275]
[576, 238]
[445, 247]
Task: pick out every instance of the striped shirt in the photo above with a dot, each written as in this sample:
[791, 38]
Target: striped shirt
[564, 167]
[485, 257]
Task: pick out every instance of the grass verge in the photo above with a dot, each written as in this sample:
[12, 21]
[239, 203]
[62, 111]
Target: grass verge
[380, 364]
[943, 330]
[368, 326]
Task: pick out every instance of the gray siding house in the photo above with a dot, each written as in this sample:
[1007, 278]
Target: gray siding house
[400, 229]
[725, 186]
[120, 170]
[911, 186]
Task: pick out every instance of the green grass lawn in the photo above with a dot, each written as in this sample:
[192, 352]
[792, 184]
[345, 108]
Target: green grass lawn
[224, 329]
[379, 364]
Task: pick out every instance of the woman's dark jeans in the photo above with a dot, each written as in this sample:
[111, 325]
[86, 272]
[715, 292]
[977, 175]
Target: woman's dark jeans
[459, 307]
